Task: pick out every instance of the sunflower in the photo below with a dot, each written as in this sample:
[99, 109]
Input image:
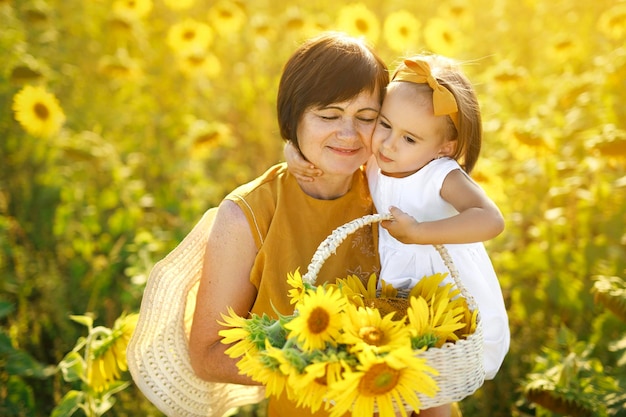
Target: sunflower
[297, 291]
[108, 355]
[438, 314]
[227, 17]
[120, 66]
[190, 36]
[122, 331]
[265, 367]
[262, 27]
[200, 63]
[239, 334]
[612, 23]
[132, 8]
[529, 134]
[357, 20]
[434, 324]
[98, 375]
[299, 24]
[379, 381]
[431, 286]
[353, 289]
[364, 328]
[457, 11]
[311, 386]
[505, 73]
[294, 20]
[38, 111]
[252, 335]
[469, 320]
[318, 320]
[385, 298]
[565, 48]
[442, 37]
[401, 31]
[204, 137]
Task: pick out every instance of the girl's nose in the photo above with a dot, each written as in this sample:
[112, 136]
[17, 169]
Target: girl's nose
[388, 142]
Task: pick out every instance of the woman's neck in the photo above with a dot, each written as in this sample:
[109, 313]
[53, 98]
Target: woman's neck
[327, 187]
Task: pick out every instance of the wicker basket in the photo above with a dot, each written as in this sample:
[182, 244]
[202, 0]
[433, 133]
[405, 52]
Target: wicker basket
[460, 364]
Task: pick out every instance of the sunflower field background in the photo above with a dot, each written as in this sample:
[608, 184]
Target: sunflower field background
[122, 121]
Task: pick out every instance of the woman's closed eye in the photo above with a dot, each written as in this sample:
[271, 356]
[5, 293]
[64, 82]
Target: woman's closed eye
[362, 119]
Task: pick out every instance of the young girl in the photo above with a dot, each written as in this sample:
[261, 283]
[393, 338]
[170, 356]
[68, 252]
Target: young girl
[424, 146]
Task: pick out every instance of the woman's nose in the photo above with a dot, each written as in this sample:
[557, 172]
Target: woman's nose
[347, 130]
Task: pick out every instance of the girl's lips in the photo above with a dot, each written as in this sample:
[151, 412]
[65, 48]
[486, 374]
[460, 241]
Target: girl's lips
[383, 157]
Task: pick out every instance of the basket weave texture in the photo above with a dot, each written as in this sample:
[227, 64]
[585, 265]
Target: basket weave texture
[460, 364]
[158, 353]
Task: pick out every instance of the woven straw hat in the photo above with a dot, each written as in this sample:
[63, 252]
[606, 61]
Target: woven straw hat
[158, 353]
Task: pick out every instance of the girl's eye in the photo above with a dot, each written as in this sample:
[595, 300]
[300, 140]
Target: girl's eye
[409, 139]
[385, 124]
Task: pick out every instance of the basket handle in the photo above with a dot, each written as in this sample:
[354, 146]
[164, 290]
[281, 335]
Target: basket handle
[331, 243]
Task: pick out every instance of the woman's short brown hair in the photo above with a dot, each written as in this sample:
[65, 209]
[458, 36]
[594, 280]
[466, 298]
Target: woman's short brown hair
[329, 68]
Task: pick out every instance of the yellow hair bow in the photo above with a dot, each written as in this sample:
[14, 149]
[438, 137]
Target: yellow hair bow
[419, 72]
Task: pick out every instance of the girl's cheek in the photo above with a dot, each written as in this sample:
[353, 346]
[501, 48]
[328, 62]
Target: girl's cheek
[376, 139]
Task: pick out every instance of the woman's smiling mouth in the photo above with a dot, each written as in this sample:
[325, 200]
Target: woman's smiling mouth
[345, 151]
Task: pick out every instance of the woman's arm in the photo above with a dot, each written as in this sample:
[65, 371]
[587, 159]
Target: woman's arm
[225, 282]
[479, 218]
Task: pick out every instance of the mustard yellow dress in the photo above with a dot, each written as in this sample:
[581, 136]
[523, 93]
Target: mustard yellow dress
[288, 225]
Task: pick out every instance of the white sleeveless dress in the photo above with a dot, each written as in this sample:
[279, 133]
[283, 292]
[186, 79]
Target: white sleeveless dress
[402, 265]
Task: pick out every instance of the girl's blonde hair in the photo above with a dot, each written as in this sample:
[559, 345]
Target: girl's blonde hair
[468, 135]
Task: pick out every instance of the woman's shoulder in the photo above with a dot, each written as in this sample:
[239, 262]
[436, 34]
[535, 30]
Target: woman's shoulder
[258, 198]
[266, 181]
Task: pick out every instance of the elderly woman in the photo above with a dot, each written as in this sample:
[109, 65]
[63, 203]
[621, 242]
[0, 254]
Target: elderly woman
[329, 97]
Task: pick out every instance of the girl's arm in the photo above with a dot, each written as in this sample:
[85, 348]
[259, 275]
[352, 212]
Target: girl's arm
[299, 167]
[225, 282]
[479, 218]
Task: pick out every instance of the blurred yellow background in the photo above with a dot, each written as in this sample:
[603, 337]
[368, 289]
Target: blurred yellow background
[122, 121]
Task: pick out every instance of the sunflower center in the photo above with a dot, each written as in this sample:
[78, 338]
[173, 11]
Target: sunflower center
[295, 24]
[42, 111]
[371, 335]
[379, 380]
[318, 320]
[195, 61]
[189, 35]
[321, 380]
[361, 25]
